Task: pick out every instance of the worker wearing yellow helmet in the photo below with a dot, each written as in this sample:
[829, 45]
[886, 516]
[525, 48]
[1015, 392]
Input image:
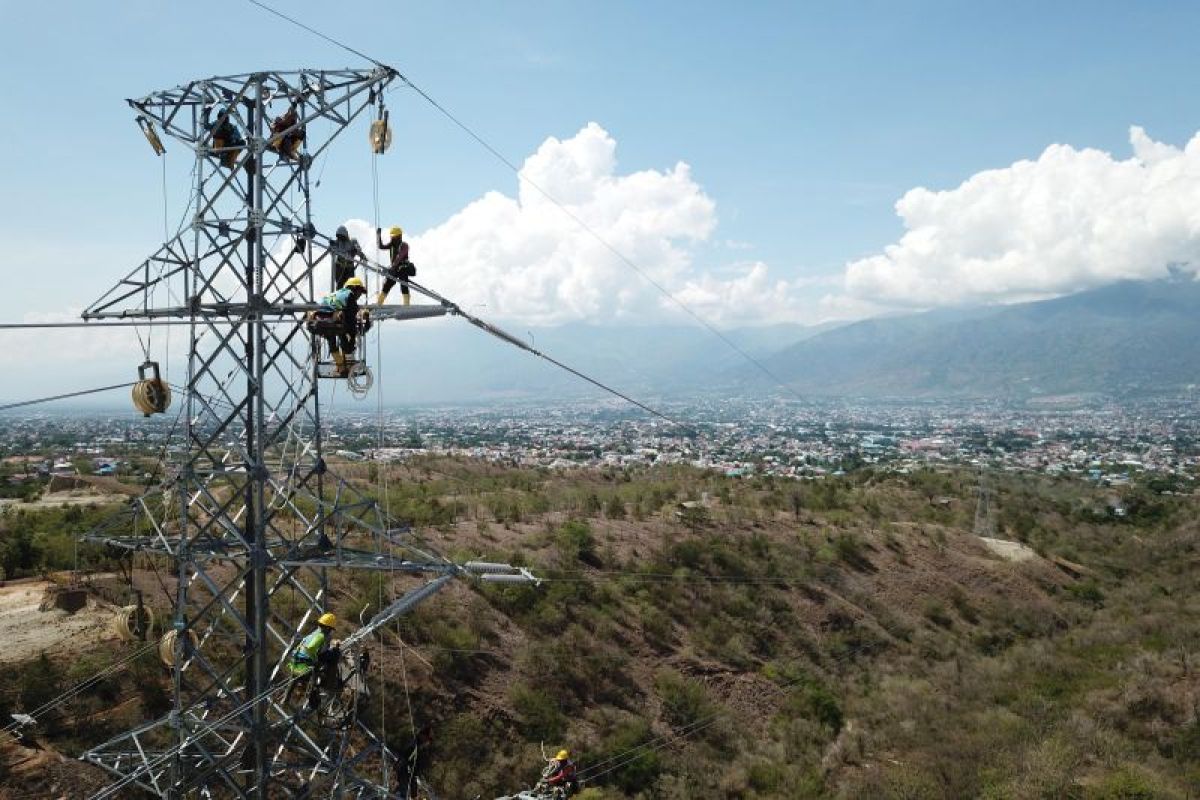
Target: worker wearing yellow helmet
[559, 775]
[342, 318]
[314, 651]
[400, 269]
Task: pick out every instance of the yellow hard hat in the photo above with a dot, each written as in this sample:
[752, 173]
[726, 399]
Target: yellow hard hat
[328, 620]
[395, 231]
[562, 754]
[355, 281]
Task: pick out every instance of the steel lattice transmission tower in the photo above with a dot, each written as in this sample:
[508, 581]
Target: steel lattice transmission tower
[249, 515]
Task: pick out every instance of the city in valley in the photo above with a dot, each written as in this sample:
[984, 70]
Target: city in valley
[1100, 441]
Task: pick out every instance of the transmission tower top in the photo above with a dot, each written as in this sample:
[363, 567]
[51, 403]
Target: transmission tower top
[254, 137]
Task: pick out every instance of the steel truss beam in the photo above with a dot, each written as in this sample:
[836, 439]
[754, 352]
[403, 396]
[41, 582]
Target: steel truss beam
[249, 514]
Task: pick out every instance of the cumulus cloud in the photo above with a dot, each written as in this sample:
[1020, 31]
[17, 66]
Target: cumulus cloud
[523, 259]
[1071, 220]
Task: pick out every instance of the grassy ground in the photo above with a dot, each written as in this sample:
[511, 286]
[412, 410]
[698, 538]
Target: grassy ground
[772, 639]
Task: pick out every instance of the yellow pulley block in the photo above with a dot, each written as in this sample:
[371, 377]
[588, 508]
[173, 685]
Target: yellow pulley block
[151, 136]
[151, 394]
[130, 623]
[169, 644]
[380, 135]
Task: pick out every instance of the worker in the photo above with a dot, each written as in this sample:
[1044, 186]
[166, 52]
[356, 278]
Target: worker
[399, 267]
[340, 317]
[559, 775]
[345, 252]
[315, 651]
[226, 140]
[287, 135]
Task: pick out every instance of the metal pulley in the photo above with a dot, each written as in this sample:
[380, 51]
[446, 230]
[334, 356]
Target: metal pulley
[380, 134]
[151, 394]
[170, 645]
[134, 622]
[151, 136]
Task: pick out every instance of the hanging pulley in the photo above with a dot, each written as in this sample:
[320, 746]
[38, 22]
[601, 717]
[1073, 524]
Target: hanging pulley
[151, 136]
[380, 134]
[151, 394]
[170, 645]
[134, 622]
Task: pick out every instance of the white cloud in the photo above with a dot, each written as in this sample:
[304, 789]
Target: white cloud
[1071, 220]
[519, 259]
[752, 297]
[524, 260]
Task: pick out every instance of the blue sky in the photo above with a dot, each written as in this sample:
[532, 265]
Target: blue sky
[802, 123]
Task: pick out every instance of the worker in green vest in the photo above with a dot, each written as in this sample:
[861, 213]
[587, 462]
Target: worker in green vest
[314, 651]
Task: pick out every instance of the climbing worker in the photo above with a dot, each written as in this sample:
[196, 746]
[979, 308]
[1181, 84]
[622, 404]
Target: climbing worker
[559, 775]
[345, 252]
[338, 319]
[315, 651]
[399, 267]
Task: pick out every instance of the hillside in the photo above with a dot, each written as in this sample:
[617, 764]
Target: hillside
[1125, 339]
[844, 638]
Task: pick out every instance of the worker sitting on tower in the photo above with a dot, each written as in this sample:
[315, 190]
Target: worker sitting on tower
[559, 776]
[316, 651]
[225, 136]
[345, 252]
[287, 135]
[338, 320]
[399, 267]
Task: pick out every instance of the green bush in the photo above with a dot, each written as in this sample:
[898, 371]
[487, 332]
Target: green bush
[685, 701]
[637, 767]
[851, 551]
[539, 718]
[575, 541]
[1088, 593]
[615, 507]
[814, 702]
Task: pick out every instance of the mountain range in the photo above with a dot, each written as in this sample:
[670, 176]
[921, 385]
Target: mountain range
[1124, 339]
[1128, 338]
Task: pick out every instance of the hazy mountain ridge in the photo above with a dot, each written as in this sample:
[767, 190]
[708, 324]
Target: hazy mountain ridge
[1126, 338]
[451, 361]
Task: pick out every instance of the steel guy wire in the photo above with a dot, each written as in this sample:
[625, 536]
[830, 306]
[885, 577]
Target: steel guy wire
[546, 194]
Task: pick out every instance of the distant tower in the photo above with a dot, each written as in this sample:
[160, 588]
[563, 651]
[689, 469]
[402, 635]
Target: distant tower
[249, 516]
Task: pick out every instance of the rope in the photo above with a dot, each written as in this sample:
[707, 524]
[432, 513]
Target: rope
[149, 766]
[317, 33]
[626, 260]
[65, 396]
[166, 229]
[504, 336]
[154, 324]
[81, 686]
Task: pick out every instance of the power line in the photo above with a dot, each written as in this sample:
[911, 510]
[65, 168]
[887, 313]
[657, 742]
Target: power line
[316, 32]
[603, 242]
[82, 685]
[65, 396]
[6, 326]
[505, 336]
[150, 765]
[546, 194]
